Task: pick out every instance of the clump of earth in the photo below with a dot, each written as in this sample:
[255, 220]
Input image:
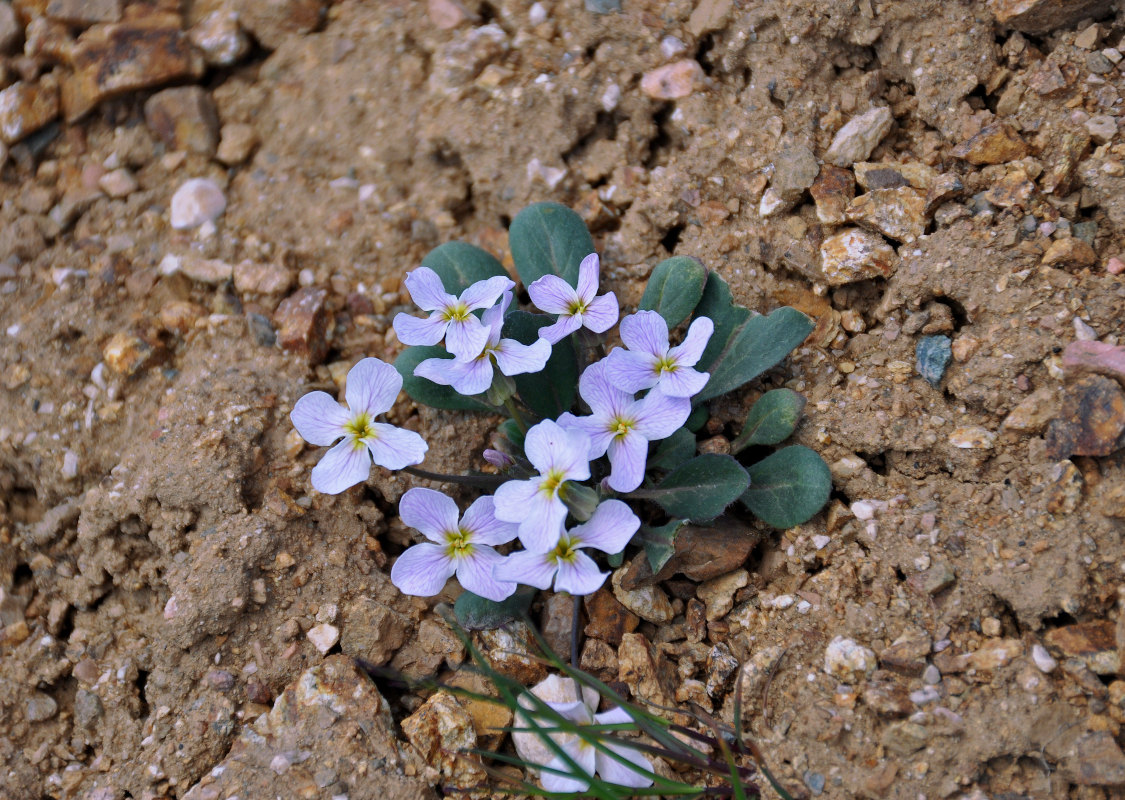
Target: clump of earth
[207, 209]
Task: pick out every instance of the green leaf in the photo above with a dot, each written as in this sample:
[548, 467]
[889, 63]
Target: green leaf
[660, 543]
[674, 289]
[549, 239]
[772, 419]
[426, 391]
[699, 489]
[510, 429]
[674, 450]
[552, 391]
[744, 344]
[697, 419]
[788, 487]
[460, 265]
[477, 613]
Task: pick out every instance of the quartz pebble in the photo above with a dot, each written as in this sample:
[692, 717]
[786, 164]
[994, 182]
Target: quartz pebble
[672, 81]
[859, 137]
[848, 661]
[118, 183]
[323, 637]
[220, 38]
[856, 255]
[1043, 659]
[197, 201]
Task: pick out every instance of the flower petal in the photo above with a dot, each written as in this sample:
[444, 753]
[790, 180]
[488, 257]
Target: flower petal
[342, 467]
[615, 716]
[627, 454]
[514, 358]
[596, 431]
[659, 415]
[513, 500]
[420, 330]
[480, 521]
[475, 573]
[631, 371]
[601, 314]
[526, 567]
[395, 448]
[429, 512]
[319, 418]
[471, 377]
[466, 339]
[687, 353]
[609, 529]
[560, 328]
[426, 289]
[435, 369]
[540, 531]
[550, 446]
[372, 386]
[605, 399]
[553, 782]
[422, 570]
[552, 294]
[645, 332]
[588, 277]
[483, 294]
[683, 382]
[579, 576]
[614, 771]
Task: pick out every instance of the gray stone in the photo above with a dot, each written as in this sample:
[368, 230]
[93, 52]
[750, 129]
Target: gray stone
[10, 29]
[41, 707]
[87, 708]
[856, 140]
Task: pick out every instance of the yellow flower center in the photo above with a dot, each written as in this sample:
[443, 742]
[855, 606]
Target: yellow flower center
[552, 482]
[577, 307]
[359, 428]
[458, 544]
[564, 550]
[663, 365]
[456, 313]
[620, 427]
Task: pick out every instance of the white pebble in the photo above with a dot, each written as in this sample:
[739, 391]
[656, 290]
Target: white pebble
[70, 465]
[536, 15]
[197, 201]
[783, 601]
[323, 637]
[1043, 659]
[863, 509]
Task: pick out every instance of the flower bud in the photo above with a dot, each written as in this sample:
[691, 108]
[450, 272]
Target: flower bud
[581, 500]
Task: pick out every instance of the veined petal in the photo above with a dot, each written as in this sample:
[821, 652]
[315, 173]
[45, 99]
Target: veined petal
[552, 294]
[466, 338]
[683, 382]
[319, 418]
[540, 531]
[426, 290]
[645, 332]
[688, 353]
[588, 277]
[435, 369]
[584, 757]
[342, 467]
[420, 330]
[480, 521]
[422, 570]
[560, 328]
[627, 455]
[605, 399]
[631, 371]
[493, 318]
[483, 294]
[601, 314]
[429, 512]
[395, 448]
[615, 716]
[548, 443]
[513, 500]
[526, 567]
[596, 430]
[614, 771]
[514, 358]
[372, 386]
[579, 576]
[609, 528]
[475, 573]
[659, 415]
[470, 377]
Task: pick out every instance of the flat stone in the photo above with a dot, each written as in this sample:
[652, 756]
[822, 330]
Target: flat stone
[88, 708]
[236, 142]
[255, 277]
[27, 107]
[1095, 358]
[221, 39]
[718, 593]
[647, 602]
[896, 213]
[708, 15]
[557, 622]
[994, 144]
[888, 175]
[1093, 643]
[905, 737]
[1061, 158]
[995, 654]
[109, 60]
[832, 192]
[198, 200]
[945, 187]
[302, 323]
[184, 118]
[372, 631]
[323, 637]
[794, 170]
[1101, 127]
[1098, 64]
[1069, 252]
[859, 137]
[972, 437]
[211, 271]
[84, 12]
[327, 721]
[1094, 759]
[271, 22]
[440, 731]
[701, 553]
[1092, 420]
[907, 655]
[856, 255]
[1043, 16]
[1014, 189]
[1032, 414]
[512, 651]
[847, 661]
[118, 183]
[887, 695]
[11, 31]
[673, 81]
[937, 578]
[644, 670]
[609, 620]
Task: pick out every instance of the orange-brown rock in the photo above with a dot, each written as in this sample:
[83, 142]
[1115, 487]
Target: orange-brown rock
[994, 144]
[1069, 252]
[1043, 16]
[27, 107]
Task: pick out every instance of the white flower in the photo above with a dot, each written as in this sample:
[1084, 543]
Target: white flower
[650, 362]
[451, 317]
[372, 388]
[580, 308]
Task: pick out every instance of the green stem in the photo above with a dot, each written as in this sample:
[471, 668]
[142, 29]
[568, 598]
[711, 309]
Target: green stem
[516, 414]
[489, 482]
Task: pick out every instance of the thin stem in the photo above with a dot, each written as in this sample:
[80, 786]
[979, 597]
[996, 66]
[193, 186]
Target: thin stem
[489, 482]
[574, 631]
[517, 415]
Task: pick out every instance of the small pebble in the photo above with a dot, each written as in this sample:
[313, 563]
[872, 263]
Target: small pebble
[70, 465]
[1115, 266]
[814, 780]
[324, 637]
[1043, 659]
[197, 201]
[41, 707]
[931, 676]
[672, 81]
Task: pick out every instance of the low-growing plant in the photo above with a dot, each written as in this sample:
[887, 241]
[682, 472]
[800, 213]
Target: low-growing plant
[599, 450]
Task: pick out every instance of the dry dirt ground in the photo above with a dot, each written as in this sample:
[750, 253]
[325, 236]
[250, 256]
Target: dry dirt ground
[163, 557]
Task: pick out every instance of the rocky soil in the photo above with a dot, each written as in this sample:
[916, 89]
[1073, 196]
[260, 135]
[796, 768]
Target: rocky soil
[207, 208]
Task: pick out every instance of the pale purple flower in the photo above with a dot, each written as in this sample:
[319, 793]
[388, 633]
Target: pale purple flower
[609, 529]
[456, 546]
[451, 317]
[576, 308]
[372, 388]
[537, 504]
[474, 375]
[622, 426]
[650, 362]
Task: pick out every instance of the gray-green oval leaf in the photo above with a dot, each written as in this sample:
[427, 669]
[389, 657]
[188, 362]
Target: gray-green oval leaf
[552, 391]
[788, 487]
[460, 265]
[549, 239]
[772, 419]
[477, 613]
[674, 289]
[699, 489]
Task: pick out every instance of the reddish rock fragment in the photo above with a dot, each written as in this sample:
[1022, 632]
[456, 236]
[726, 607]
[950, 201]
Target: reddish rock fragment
[27, 107]
[887, 695]
[1043, 16]
[856, 255]
[112, 59]
[609, 620]
[302, 323]
[1092, 421]
[700, 554]
[832, 191]
[945, 186]
[994, 144]
[896, 213]
[1062, 157]
[1097, 358]
[272, 21]
[1069, 252]
[184, 118]
[1094, 643]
